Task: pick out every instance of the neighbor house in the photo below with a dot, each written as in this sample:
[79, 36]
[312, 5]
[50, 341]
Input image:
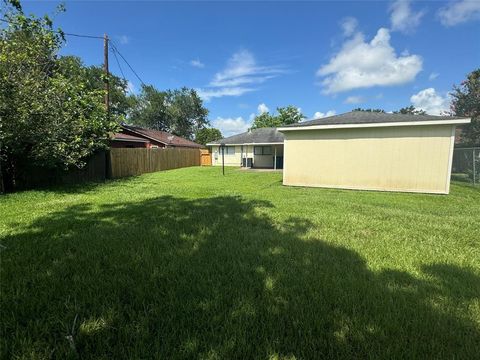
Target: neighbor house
[136, 136]
[121, 140]
[256, 148]
[371, 151]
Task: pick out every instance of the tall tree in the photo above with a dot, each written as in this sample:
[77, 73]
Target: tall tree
[48, 114]
[410, 110]
[264, 120]
[285, 116]
[466, 102]
[94, 77]
[206, 135]
[179, 111]
[289, 115]
[149, 108]
[186, 111]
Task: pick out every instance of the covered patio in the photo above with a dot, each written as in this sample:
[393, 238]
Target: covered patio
[255, 149]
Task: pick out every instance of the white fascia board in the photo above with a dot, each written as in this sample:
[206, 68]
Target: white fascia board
[371, 125]
[272, 143]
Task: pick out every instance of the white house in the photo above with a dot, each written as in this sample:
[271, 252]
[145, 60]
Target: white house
[256, 148]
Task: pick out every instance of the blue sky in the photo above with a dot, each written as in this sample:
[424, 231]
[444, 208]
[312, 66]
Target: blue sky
[324, 57]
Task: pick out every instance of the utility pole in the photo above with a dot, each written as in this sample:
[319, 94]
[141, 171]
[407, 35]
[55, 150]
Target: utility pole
[105, 68]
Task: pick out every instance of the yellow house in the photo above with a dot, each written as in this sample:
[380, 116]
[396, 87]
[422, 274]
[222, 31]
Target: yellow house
[371, 151]
[256, 148]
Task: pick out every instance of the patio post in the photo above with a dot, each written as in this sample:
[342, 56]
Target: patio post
[275, 158]
[223, 158]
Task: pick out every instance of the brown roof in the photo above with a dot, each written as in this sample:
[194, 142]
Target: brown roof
[161, 136]
[126, 137]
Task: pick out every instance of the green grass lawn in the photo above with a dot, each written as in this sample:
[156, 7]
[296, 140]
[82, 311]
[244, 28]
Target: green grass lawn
[190, 264]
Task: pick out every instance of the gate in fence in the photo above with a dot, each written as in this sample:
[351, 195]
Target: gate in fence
[205, 157]
[466, 165]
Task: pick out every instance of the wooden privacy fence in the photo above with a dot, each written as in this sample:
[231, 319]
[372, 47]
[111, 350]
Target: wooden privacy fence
[116, 163]
[135, 161]
[32, 177]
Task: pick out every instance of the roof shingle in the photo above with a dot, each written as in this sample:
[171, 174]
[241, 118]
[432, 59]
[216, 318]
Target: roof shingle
[254, 136]
[367, 117]
[162, 136]
[127, 137]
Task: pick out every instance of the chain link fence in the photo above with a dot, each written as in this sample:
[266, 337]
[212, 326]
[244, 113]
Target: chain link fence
[466, 165]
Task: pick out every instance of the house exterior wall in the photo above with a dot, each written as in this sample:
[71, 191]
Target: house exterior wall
[266, 161]
[406, 158]
[242, 151]
[230, 160]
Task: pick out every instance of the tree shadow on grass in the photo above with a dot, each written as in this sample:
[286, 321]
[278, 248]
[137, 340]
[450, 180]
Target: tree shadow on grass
[217, 278]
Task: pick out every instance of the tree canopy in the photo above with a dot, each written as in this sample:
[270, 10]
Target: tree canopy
[178, 111]
[49, 114]
[410, 110]
[285, 116]
[466, 102]
[206, 135]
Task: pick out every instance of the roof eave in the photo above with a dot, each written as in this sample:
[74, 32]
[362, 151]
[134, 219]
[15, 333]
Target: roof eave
[132, 140]
[239, 144]
[142, 134]
[371, 125]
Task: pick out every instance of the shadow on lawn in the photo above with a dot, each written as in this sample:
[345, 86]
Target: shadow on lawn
[216, 278]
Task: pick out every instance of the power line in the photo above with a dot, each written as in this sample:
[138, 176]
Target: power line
[58, 31]
[84, 36]
[126, 62]
[120, 67]
[114, 48]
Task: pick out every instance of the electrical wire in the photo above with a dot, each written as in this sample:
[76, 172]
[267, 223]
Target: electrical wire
[126, 62]
[59, 31]
[114, 48]
[121, 70]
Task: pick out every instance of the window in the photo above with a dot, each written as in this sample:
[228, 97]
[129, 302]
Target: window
[262, 150]
[229, 150]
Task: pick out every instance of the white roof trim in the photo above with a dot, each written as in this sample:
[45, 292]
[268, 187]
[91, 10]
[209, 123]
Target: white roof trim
[272, 143]
[370, 125]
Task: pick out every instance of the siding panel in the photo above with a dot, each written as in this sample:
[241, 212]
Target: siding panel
[391, 158]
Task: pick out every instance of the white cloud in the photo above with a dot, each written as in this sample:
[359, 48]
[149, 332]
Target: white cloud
[433, 76]
[319, 115]
[354, 100]
[262, 108]
[124, 39]
[208, 94]
[242, 68]
[457, 12]
[231, 126]
[431, 102]
[361, 64]
[242, 74]
[197, 63]
[403, 18]
[349, 25]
